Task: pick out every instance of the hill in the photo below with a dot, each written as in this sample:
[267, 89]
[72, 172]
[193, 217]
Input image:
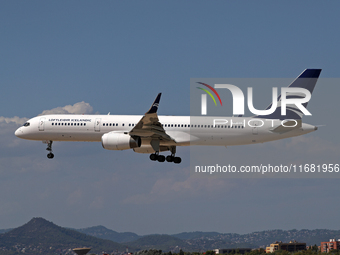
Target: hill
[42, 236]
[161, 242]
[195, 241]
[105, 233]
[195, 235]
[208, 241]
[5, 230]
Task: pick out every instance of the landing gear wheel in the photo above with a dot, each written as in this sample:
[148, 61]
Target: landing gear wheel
[169, 158]
[161, 158]
[153, 157]
[50, 155]
[177, 160]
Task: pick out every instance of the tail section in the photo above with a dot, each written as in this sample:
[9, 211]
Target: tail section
[307, 80]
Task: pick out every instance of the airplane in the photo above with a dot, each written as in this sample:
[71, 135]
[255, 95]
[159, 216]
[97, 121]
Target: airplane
[153, 134]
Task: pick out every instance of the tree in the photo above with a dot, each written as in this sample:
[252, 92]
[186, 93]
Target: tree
[209, 253]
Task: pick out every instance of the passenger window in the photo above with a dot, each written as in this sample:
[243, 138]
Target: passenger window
[123, 124]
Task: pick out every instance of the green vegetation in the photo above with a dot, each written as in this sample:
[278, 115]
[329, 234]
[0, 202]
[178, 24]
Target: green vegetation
[258, 252]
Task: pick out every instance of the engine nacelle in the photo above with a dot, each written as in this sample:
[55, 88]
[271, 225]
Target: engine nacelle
[119, 141]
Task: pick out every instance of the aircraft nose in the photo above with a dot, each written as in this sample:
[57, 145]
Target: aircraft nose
[19, 132]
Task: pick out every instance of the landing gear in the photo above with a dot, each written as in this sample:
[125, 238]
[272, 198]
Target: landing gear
[171, 158]
[50, 155]
[161, 158]
[156, 156]
[153, 157]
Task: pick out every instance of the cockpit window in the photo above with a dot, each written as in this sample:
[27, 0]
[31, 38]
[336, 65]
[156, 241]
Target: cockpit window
[26, 124]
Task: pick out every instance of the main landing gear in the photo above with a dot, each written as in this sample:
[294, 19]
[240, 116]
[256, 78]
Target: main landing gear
[171, 158]
[161, 158]
[50, 155]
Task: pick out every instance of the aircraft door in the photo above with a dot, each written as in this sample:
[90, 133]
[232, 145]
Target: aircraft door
[255, 127]
[41, 125]
[97, 124]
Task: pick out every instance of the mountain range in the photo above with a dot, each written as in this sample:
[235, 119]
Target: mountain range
[213, 240]
[42, 236]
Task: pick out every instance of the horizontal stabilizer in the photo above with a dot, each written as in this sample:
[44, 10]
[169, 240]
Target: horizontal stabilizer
[288, 126]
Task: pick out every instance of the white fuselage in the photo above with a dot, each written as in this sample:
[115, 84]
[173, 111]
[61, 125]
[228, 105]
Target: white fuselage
[185, 130]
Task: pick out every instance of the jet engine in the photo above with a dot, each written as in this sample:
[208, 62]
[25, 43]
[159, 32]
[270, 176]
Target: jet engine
[120, 141]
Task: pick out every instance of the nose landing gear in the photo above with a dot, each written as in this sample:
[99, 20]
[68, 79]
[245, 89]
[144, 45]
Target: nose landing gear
[50, 155]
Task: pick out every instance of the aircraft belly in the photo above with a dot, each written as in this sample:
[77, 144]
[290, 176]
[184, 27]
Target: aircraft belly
[70, 136]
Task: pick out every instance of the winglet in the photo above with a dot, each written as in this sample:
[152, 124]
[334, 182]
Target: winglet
[310, 73]
[154, 106]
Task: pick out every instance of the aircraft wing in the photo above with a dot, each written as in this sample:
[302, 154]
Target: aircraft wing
[149, 125]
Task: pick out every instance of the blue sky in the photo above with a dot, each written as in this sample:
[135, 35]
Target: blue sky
[116, 56]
